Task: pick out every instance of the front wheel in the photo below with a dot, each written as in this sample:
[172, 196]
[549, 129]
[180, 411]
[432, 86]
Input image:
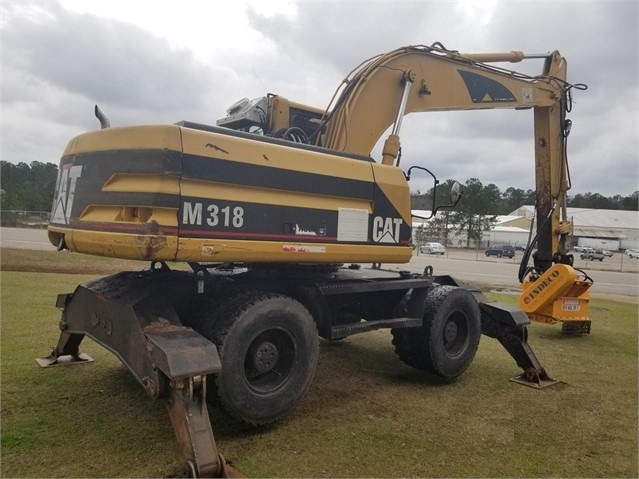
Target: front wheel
[268, 347]
[447, 342]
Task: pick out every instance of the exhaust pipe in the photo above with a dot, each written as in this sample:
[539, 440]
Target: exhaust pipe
[104, 121]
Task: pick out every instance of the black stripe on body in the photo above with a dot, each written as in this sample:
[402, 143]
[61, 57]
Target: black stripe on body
[258, 176]
[200, 218]
[259, 221]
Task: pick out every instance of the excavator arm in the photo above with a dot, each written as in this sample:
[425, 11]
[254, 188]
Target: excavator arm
[377, 94]
[411, 79]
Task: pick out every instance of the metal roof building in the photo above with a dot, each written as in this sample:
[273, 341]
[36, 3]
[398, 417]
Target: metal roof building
[596, 227]
[609, 229]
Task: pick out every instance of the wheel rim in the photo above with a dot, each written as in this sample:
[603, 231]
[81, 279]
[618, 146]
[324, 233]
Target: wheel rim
[269, 360]
[455, 334]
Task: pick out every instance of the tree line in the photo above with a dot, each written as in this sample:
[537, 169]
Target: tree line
[27, 187]
[480, 205]
[505, 202]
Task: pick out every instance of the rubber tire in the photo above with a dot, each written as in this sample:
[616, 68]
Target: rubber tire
[499, 255]
[241, 324]
[447, 309]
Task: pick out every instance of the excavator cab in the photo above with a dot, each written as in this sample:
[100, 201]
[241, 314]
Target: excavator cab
[274, 116]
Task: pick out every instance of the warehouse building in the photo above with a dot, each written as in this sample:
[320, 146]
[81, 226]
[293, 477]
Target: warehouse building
[613, 230]
[608, 229]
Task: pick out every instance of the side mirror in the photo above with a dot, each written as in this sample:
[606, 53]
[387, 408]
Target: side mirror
[456, 191]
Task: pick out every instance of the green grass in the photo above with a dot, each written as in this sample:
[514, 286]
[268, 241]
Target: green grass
[366, 415]
[15, 259]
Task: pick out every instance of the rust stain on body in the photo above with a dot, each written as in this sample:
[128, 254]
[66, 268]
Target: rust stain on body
[152, 241]
[216, 148]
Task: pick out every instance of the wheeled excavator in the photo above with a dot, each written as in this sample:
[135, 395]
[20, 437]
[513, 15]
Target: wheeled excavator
[256, 228]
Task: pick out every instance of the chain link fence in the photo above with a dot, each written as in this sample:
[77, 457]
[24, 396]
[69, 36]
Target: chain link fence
[24, 219]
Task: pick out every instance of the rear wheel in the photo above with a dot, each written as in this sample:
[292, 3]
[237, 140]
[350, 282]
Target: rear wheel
[447, 342]
[268, 347]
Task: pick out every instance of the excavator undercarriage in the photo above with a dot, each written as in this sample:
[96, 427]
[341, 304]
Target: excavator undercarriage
[147, 319]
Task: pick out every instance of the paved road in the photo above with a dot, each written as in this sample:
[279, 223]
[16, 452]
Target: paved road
[25, 238]
[616, 275]
[503, 272]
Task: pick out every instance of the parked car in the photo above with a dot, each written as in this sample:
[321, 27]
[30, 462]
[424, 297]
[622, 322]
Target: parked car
[583, 249]
[432, 248]
[632, 253]
[501, 250]
[593, 255]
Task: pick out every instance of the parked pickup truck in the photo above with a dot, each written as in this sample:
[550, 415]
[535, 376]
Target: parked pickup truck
[593, 255]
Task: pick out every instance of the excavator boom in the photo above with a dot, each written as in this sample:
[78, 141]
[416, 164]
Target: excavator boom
[368, 101]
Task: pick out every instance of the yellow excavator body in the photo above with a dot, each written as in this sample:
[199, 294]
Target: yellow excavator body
[179, 193]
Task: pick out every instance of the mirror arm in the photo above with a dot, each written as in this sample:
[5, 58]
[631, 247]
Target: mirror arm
[456, 190]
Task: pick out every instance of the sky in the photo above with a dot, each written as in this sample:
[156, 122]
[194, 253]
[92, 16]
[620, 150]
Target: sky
[160, 62]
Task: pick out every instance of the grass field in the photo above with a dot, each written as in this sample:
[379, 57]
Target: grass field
[366, 415]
